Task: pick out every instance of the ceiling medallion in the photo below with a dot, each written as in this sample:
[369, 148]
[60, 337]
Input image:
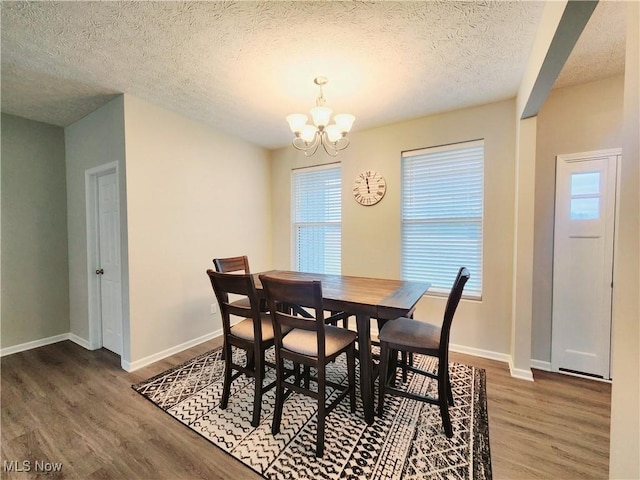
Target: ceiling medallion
[333, 137]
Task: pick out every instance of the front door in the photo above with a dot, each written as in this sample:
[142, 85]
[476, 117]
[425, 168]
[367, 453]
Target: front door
[583, 262]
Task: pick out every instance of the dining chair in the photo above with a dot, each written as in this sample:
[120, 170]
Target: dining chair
[406, 358]
[311, 343]
[409, 335]
[253, 334]
[237, 265]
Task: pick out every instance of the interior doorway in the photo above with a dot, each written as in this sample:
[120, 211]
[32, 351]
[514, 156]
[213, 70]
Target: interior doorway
[104, 257]
[585, 215]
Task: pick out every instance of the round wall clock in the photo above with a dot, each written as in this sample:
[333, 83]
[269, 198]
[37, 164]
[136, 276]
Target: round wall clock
[369, 187]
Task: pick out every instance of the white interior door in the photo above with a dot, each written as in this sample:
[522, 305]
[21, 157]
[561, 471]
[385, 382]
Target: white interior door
[109, 269]
[583, 262]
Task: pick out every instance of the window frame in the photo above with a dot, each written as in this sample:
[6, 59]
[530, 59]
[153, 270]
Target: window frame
[440, 290]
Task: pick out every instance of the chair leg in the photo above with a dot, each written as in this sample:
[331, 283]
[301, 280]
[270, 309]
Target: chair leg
[443, 398]
[297, 375]
[404, 360]
[257, 394]
[251, 361]
[321, 411]
[226, 388]
[307, 376]
[392, 360]
[351, 374]
[384, 375]
[277, 412]
[449, 391]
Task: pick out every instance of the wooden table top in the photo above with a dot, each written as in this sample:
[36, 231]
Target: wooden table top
[375, 297]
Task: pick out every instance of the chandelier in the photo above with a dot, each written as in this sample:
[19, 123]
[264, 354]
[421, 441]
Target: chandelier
[333, 137]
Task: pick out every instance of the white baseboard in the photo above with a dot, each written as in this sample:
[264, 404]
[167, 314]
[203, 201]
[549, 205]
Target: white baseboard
[143, 362]
[81, 341]
[521, 373]
[34, 344]
[541, 365]
[477, 352]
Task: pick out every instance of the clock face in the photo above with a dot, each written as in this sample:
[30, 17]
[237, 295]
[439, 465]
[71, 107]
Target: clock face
[369, 187]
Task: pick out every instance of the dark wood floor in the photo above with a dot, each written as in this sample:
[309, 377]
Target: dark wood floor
[62, 403]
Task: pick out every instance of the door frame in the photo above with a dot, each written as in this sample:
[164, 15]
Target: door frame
[593, 155]
[93, 253]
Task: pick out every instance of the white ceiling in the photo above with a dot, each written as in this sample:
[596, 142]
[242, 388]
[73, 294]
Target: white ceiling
[241, 67]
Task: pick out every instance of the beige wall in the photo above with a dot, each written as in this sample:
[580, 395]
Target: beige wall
[574, 119]
[95, 140]
[520, 362]
[625, 394]
[371, 235]
[192, 194]
[35, 275]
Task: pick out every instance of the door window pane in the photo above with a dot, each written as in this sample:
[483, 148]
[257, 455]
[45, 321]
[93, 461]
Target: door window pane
[585, 183]
[585, 208]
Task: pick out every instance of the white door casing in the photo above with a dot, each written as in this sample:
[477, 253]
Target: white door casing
[583, 262]
[104, 258]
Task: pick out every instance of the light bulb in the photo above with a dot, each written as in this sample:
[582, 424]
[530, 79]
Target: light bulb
[297, 121]
[321, 116]
[333, 133]
[344, 121]
[308, 132]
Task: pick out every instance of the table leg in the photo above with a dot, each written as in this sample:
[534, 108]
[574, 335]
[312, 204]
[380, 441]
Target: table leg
[366, 365]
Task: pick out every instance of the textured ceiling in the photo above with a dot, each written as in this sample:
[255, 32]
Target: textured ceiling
[599, 52]
[241, 67]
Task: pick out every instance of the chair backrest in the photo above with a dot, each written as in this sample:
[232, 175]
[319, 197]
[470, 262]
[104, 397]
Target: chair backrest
[239, 284]
[287, 298]
[232, 264]
[452, 304]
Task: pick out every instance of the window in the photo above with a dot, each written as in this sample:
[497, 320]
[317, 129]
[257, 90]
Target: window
[585, 196]
[317, 215]
[442, 207]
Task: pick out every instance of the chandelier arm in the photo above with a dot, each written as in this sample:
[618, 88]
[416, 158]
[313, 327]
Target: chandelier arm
[329, 147]
[310, 154]
[333, 153]
[344, 142]
[299, 144]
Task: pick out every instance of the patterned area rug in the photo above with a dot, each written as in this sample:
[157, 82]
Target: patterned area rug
[408, 443]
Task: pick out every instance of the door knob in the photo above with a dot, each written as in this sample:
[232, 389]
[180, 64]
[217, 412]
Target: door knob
[100, 271]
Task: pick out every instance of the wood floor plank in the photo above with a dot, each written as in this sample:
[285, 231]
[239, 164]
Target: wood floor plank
[62, 403]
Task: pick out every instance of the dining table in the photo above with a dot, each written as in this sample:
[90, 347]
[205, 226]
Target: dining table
[365, 298]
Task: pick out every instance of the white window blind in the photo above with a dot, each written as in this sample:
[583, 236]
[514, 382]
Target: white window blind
[317, 215]
[442, 208]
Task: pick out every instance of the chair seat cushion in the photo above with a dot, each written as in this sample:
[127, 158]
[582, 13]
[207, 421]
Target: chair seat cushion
[411, 333]
[305, 342]
[244, 328]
